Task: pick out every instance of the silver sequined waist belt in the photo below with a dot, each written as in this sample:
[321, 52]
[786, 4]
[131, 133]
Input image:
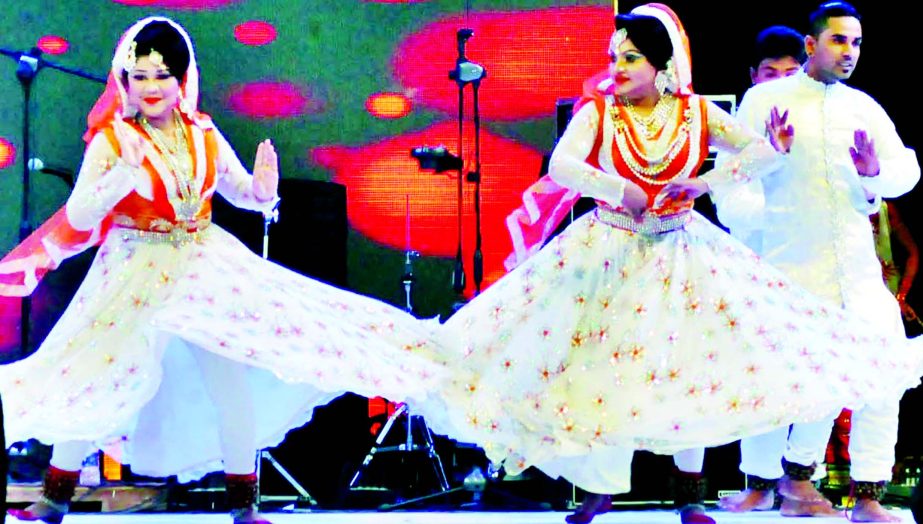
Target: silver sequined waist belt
[647, 224]
[177, 237]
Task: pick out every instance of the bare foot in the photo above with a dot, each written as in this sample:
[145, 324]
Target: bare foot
[694, 514]
[870, 510]
[248, 516]
[748, 500]
[800, 490]
[800, 508]
[39, 511]
[594, 504]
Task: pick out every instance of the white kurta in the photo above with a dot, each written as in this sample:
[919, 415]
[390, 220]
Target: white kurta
[815, 225]
[812, 218]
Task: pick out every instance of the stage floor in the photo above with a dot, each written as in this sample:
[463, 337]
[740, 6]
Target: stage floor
[459, 517]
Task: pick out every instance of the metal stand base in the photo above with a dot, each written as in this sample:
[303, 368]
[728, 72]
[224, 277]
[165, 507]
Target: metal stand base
[407, 446]
[304, 498]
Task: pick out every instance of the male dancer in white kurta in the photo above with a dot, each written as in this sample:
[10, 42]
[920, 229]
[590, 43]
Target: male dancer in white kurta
[814, 226]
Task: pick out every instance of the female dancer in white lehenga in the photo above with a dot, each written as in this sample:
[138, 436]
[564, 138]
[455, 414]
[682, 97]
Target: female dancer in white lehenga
[643, 326]
[180, 342]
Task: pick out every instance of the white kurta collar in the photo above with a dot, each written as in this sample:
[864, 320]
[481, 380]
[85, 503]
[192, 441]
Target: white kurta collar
[815, 85]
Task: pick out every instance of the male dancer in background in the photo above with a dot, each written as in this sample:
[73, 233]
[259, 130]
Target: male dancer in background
[779, 52]
[814, 226]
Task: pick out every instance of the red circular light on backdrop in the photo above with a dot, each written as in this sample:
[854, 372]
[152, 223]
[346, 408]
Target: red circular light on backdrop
[53, 45]
[192, 5]
[527, 69]
[381, 176]
[269, 99]
[255, 33]
[7, 153]
[388, 105]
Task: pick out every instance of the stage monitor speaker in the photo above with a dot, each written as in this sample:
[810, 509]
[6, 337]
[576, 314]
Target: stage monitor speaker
[564, 111]
[311, 234]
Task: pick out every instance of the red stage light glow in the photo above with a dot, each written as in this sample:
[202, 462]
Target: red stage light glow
[532, 58]
[270, 99]
[388, 105]
[53, 45]
[7, 153]
[255, 33]
[380, 176]
[191, 5]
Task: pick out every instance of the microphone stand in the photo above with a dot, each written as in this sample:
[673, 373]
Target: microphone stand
[475, 176]
[408, 279]
[467, 72]
[458, 274]
[28, 66]
[269, 218]
[304, 496]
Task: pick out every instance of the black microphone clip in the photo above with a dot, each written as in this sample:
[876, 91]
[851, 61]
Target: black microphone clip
[437, 158]
[29, 64]
[465, 71]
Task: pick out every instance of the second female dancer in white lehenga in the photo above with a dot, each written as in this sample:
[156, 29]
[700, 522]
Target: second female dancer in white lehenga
[181, 343]
[643, 326]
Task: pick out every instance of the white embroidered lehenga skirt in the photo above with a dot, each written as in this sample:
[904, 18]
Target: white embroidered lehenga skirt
[608, 341]
[119, 364]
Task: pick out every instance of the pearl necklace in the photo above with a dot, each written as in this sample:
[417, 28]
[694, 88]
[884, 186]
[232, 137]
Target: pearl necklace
[653, 123]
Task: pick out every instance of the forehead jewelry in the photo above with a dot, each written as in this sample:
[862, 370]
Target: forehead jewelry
[157, 59]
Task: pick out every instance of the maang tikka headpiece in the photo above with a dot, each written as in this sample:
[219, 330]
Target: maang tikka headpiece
[131, 59]
[157, 59]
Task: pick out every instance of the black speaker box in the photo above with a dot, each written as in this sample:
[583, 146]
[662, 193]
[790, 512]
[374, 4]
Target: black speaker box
[310, 236]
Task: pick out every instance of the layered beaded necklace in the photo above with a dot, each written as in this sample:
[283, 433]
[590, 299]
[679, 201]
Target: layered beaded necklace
[179, 162]
[634, 151]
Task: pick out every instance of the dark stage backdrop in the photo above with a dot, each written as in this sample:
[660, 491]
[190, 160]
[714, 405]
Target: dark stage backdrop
[346, 87]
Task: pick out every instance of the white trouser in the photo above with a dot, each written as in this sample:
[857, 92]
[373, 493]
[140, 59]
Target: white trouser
[690, 460]
[871, 445]
[762, 455]
[608, 469]
[226, 383]
[871, 442]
